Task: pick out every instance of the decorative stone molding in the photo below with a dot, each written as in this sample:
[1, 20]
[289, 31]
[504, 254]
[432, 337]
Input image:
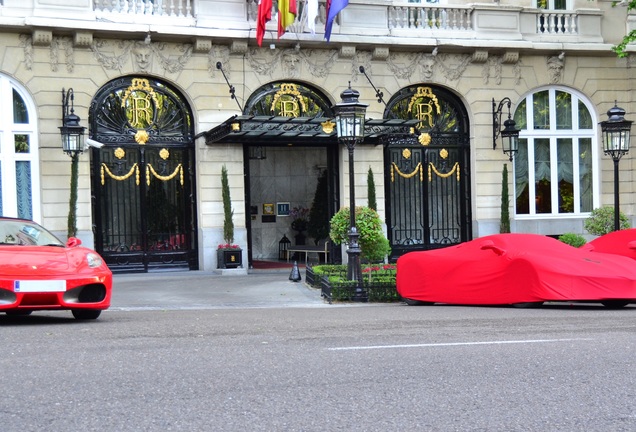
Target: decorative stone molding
[510, 57]
[42, 37]
[380, 53]
[555, 64]
[238, 47]
[202, 45]
[82, 39]
[347, 51]
[480, 56]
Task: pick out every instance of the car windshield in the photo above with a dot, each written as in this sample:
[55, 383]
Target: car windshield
[21, 232]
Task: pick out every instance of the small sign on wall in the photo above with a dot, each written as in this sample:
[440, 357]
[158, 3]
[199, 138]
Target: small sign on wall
[268, 209]
[282, 209]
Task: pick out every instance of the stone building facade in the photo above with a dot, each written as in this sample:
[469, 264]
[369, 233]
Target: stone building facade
[159, 85]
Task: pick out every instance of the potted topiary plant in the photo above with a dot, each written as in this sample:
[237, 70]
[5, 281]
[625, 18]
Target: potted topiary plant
[229, 255]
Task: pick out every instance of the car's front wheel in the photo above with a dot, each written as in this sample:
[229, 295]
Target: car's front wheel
[412, 302]
[18, 312]
[527, 305]
[86, 314]
[615, 304]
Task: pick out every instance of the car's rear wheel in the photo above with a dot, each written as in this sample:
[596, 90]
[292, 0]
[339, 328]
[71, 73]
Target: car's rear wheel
[527, 305]
[86, 314]
[19, 312]
[412, 302]
[615, 304]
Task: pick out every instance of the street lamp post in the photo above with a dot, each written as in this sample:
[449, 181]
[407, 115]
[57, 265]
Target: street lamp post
[350, 117]
[72, 144]
[616, 134]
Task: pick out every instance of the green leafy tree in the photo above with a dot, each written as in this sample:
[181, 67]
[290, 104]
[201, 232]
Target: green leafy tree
[228, 223]
[374, 245]
[601, 221]
[373, 204]
[621, 48]
[318, 227]
[504, 224]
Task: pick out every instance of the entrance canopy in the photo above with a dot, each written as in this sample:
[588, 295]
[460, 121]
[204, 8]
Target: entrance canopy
[282, 130]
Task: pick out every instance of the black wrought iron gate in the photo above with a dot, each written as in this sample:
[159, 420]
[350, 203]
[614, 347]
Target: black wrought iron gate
[428, 174]
[143, 177]
[144, 219]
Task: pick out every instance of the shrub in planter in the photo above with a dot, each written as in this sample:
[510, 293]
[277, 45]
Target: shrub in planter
[601, 221]
[572, 239]
[374, 245]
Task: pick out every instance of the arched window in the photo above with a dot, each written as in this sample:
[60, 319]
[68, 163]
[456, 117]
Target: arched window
[19, 167]
[555, 167]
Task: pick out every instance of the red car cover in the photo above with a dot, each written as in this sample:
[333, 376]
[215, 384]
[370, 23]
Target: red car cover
[514, 268]
[621, 242]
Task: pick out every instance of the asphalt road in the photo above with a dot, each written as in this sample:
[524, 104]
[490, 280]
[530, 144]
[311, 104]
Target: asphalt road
[316, 367]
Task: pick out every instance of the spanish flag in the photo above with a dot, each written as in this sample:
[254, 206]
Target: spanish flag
[287, 10]
[264, 15]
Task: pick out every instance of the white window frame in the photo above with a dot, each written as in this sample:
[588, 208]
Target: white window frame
[8, 156]
[554, 134]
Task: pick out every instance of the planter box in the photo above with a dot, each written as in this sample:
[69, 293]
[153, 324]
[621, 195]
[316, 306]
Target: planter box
[232, 258]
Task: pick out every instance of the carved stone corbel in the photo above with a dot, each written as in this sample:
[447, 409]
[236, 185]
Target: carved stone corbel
[42, 37]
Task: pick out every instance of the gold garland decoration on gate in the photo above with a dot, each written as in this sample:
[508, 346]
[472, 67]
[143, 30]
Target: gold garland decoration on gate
[177, 170]
[432, 168]
[418, 168]
[133, 169]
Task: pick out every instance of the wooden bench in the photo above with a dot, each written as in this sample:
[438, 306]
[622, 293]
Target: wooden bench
[307, 249]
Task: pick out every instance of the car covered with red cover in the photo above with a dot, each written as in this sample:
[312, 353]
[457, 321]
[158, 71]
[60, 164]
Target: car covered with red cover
[622, 242]
[40, 272]
[515, 269]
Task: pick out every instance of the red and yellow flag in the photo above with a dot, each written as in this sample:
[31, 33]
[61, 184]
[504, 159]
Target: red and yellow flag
[287, 11]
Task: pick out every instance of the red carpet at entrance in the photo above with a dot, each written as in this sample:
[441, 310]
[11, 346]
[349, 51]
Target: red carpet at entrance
[266, 265]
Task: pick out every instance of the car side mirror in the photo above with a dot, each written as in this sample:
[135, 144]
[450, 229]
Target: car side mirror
[73, 242]
[632, 244]
[488, 245]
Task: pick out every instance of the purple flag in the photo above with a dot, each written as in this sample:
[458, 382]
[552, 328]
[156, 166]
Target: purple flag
[333, 7]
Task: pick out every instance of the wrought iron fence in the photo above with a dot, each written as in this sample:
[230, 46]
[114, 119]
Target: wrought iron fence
[378, 282]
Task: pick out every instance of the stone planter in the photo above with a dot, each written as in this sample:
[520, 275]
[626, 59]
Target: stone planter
[229, 258]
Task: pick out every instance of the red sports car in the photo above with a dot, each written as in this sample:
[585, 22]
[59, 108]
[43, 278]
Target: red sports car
[39, 272]
[621, 242]
[515, 269]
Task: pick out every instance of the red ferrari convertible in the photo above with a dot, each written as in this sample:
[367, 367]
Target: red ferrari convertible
[39, 272]
[515, 269]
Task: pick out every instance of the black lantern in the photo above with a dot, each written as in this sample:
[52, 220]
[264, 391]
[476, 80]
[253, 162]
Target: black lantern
[71, 131]
[509, 134]
[350, 116]
[616, 134]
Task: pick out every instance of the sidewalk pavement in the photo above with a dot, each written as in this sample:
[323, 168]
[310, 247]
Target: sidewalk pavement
[210, 290]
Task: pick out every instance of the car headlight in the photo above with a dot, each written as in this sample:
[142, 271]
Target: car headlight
[94, 260]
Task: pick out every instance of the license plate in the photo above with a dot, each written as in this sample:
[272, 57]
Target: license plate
[31, 286]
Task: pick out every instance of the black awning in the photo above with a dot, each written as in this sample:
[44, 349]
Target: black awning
[283, 130]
